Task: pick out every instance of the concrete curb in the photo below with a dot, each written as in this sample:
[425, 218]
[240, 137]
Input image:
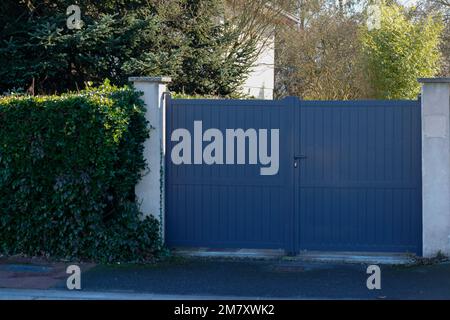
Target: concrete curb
[382, 258]
[32, 294]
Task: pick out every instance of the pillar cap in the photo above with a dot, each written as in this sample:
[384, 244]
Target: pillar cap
[434, 80]
[160, 79]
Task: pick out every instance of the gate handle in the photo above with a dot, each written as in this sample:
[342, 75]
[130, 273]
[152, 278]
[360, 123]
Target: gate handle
[297, 158]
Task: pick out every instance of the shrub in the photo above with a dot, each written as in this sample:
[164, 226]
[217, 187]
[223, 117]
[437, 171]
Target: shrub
[400, 51]
[68, 167]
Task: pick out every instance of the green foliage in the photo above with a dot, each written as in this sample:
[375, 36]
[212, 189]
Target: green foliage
[400, 51]
[176, 95]
[177, 38]
[237, 95]
[68, 167]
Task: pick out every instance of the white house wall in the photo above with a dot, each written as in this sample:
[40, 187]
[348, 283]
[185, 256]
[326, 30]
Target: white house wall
[260, 82]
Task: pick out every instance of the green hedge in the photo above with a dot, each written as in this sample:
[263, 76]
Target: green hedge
[68, 167]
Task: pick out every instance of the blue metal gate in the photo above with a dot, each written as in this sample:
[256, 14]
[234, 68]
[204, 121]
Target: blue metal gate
[348, 179]
[224, 205]
[359, 186]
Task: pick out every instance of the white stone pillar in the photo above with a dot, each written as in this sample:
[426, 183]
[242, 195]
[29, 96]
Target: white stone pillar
[150, 190]
[436, 165]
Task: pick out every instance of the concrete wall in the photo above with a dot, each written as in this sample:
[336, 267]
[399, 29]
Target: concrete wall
[150, 190]
[436, 165]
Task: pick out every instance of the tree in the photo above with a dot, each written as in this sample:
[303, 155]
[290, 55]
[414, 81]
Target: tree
[256, 19]
[400, 51]
[179, 38]
[439, 8]
[321, 59]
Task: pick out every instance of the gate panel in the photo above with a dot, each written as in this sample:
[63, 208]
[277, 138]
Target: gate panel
[229, 205]
[359, 187]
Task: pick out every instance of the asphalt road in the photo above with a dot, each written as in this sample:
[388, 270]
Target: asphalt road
[268, 279]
